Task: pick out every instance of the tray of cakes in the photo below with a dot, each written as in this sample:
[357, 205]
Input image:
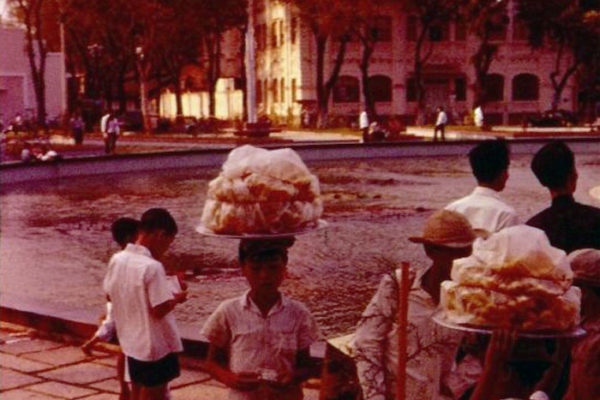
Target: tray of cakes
[262, 193]
[513, 280]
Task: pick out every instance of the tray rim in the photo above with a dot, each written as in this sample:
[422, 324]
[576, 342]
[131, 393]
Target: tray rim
[321, 224]
[439, 318]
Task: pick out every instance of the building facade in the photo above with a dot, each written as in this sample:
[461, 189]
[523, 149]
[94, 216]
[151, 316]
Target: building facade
[17, 94]
[518, 82]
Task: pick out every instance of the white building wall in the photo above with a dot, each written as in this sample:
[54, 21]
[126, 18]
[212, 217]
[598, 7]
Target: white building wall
[17, 94]
[395, 59]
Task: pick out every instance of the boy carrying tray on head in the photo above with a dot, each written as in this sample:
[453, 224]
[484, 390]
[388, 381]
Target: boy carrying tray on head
[259, 342]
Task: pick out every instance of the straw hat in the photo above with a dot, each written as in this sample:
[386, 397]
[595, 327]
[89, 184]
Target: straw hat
[447, 228]
[585, 264]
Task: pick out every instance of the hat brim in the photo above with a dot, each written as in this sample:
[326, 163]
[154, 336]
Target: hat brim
[453, 245]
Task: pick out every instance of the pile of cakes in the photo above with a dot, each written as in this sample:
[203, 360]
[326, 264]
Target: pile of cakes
[260, 191]
[514, 279]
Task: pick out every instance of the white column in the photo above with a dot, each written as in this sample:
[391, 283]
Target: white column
[63, 71]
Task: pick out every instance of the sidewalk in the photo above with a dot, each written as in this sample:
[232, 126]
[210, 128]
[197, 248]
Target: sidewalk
[37, 366]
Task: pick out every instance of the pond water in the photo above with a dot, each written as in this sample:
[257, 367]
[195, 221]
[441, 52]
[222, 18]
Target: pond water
[56, 240]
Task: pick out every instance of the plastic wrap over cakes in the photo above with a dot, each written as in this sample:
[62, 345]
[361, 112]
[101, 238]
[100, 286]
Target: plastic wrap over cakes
[262, 191]
[514, 279]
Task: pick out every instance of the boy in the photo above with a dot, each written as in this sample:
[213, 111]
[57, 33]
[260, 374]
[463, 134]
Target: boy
[259, 342]
[124, 230]
[483, 207]
[143, 299]
[568, 224]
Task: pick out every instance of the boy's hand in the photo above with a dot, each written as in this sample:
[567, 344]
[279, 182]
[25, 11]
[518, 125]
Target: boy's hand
[283, 381]
[180, 297]
[243, 381]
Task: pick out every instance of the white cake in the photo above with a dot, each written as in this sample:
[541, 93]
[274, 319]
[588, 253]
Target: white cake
[262, 191]
[514, 279]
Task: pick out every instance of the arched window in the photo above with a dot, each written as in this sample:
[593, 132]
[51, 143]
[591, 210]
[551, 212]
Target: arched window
[346, 90]
[525, 87]
[380, 87]
[494, 87]
[282, 91]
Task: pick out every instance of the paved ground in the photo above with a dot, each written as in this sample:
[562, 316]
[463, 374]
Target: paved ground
[36, 366]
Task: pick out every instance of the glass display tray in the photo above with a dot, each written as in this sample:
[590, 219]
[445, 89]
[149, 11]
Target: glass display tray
[321, 224]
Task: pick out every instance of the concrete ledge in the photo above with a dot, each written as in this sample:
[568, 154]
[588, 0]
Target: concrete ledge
[11, 173]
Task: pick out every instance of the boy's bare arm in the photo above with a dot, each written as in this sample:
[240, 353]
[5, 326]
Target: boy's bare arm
[216, 365]
[166, 307]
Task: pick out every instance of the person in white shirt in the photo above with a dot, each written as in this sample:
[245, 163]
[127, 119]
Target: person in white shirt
[440, 124]
[478, 117]
[104, 123]
[259, 341]
[142, 299]
[112, 132]
[363, 124]
[483, 207]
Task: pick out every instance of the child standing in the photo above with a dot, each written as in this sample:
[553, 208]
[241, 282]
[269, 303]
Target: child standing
[143, 299]
[259, 342]
[124, 230]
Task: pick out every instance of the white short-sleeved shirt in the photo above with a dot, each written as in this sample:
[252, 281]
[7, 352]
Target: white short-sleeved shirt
[442, 118]
[136, 282]
[259, 344]
[485, 210]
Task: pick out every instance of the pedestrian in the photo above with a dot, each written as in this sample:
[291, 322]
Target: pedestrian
[112, 133]
[478, 116]
[569, 225]
[143, 301]
[77, 128]
[440, 124]
[124, 231]
[259, 341]
[483, 207]
[363, 124]
[447, 236]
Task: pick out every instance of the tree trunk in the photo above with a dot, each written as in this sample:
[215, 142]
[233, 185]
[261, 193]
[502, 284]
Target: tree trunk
[365, 61]
[418, 74]
[37, 60]
[243, 78]
[322, 105]
[121, 90]
[214, 69]
[142, 75]
[177, 91]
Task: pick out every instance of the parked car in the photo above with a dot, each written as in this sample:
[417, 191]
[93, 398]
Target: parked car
[551, 118]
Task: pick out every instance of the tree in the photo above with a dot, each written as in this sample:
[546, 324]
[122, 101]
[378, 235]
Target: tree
[365, 28]
[329, 23]
[218, 16]
[429, 14]
[569, 27]
[486, 19]
[182, 43]
[31, 14]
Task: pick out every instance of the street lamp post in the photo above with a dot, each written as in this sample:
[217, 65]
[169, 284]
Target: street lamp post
[250, 66]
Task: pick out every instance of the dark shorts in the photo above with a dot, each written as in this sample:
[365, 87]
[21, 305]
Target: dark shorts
[153, 373]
